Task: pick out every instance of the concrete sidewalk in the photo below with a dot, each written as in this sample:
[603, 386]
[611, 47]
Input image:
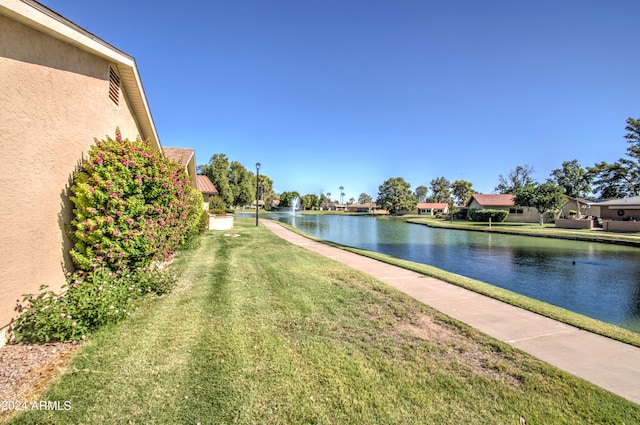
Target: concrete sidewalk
[610, 364]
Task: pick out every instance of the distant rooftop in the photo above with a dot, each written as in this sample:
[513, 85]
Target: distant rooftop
[494, 199]
[205, 186]
[436, 205]
[180, 156]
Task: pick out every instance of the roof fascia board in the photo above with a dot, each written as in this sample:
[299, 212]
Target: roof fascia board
[40, 17]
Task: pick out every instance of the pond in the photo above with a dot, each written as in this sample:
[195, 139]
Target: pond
[598, 280]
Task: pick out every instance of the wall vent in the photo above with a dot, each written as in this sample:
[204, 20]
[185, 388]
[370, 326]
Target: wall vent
[114, 86]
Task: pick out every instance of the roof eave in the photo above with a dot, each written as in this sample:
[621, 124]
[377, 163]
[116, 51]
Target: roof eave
[45, 20]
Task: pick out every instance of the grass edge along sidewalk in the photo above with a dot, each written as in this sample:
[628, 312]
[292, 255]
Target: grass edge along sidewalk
[262, 331]
[553, 312]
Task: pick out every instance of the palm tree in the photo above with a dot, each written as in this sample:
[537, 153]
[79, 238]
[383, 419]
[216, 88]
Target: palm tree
[341, 195]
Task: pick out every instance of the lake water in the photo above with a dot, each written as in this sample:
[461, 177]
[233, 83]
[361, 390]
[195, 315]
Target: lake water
[598, 280]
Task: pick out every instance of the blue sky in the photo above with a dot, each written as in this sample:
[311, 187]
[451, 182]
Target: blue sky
[352, 92]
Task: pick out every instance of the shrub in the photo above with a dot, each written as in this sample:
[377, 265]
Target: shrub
[203, 224]
[216, 203]
[194, 212]
[91, 299]
[133, 206]
[497, 216]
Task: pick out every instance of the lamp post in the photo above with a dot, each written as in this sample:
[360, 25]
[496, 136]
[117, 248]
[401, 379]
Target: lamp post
[257, 188]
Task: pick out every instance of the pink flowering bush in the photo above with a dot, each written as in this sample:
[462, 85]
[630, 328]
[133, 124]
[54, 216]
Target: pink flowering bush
[133, 206]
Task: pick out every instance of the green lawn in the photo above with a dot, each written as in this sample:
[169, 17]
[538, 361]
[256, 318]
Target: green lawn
[259, 331]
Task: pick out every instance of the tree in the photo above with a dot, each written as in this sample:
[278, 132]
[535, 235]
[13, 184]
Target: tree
[462, 191]
[235, 184]
[266, 188]
[324, 201]
[242, 183]
[287, 197]
[609, 180]
[364, 199]
[632, 164]
[622, 178]
[218, 172]
[395, 195]
[351, 201]
[421, 193]
[341, 195]
[440, 190]
[544, 197]
[517, 179]
[309, 201]
[573, 179]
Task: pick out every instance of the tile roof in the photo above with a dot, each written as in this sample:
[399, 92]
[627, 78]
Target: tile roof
[180, 156]
[494, 199]
[429, 205]
[367, 205]
[205, 185]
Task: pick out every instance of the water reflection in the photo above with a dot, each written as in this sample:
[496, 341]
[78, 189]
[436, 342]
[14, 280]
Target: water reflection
[598, 280]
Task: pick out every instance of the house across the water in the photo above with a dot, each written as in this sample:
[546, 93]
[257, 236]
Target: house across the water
[517, 214]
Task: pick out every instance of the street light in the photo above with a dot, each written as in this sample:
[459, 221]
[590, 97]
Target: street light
[257, 188]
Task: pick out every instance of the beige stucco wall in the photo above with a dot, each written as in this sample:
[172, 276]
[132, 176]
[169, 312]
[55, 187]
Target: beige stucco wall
[584, 209]
[54, 101]
[612, 213]
[621, 226]
[568, 223]
[529, 215]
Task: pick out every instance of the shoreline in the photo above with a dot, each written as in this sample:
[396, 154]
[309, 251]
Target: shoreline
[574, 237]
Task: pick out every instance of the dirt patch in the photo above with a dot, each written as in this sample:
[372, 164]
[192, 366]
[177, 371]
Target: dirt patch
[455, 348]
[26, 369]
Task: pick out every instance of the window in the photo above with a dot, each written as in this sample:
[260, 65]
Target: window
[114, 86]
[516, 211]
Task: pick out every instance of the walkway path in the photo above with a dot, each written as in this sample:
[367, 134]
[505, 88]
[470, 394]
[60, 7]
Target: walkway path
[610, 364]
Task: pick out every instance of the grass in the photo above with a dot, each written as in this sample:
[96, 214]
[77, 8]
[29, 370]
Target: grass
[262, 331]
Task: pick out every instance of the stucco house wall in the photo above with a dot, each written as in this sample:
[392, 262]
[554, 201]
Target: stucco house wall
[432, 208]
[54, 98]
[516, 214]
[626, 209]
[583, 207]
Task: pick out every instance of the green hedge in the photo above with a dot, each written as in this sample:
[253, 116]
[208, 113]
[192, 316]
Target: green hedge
[497, 216]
